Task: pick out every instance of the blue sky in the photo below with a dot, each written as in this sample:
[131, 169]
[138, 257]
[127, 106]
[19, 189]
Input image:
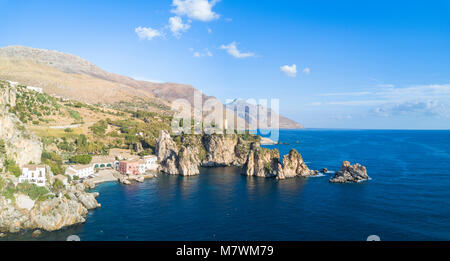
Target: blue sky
[358, 64]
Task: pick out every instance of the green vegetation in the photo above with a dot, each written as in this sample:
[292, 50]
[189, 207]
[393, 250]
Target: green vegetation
[75, 115]
[12, 168]
[99, 128]
[140, 130]
[53, 160]
[33, 191]
[58, 185]
[2, 147]
[84, 145]
[141, 104]
[268, 167]
[31, 106]
[8, 192]
[81, 159]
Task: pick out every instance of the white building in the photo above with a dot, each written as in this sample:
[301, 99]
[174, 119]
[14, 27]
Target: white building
[33, 174]
[142, 166]
[36, 89]
[151, 162]
[81, 171]
[105, 162]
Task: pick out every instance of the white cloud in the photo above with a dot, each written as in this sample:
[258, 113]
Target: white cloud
[423, 92]
[417, 108]
[233, 51]
[290, 71]
[307, 71]
[196, 9]
[209, 30]
[177, 27]
[386, 101]
[346, 94]
[197, 54]
[383, 85]
[358, 102]
[147, 33]
[342, 117]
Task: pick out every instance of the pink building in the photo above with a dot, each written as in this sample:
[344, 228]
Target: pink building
[132, 167]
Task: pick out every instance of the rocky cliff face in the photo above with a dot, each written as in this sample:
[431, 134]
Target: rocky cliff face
[21, 145]
[188, 161]
[167, 153]
[293, 165]
[262, 162]
[51, 214]
[197, 150]
[226, 150]
[350, 173]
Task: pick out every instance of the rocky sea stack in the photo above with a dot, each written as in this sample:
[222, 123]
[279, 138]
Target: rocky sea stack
[184, 154]
[350, 173]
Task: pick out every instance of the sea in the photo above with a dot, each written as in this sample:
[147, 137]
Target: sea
[407, 197]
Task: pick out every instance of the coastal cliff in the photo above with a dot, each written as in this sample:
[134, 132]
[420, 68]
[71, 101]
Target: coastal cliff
[21, 145]
[20, 212]
[189, 152]
[226, 150]
[262, 162]
[295, 166]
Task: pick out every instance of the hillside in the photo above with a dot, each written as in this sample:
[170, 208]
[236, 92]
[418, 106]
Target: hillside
[67, 128]
[71, 77]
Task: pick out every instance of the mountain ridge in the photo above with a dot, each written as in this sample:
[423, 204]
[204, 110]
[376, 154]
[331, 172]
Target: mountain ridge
[72, 77]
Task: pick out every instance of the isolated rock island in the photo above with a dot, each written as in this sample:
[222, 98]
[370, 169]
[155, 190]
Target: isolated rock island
[350, 173]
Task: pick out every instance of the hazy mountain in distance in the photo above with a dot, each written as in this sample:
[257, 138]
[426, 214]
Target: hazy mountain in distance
[72, 77]
[249, 112]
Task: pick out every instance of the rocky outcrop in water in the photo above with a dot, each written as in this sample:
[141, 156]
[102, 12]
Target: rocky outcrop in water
[50, 214]
[21, 145]
[185, 156]
[350, 173]
[188, 161]
[262, 162]
[226, 150]
[167, 153]
[293, 165]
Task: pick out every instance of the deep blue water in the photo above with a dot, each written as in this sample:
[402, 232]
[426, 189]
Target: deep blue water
[408, 197]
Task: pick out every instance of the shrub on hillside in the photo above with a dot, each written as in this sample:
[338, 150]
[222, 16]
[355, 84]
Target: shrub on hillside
[81, 159]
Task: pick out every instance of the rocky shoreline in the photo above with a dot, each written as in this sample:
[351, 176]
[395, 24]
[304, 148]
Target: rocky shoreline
[216, 150]
[184, 157]
[180, 155]
[60, 211]
[194, 151]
